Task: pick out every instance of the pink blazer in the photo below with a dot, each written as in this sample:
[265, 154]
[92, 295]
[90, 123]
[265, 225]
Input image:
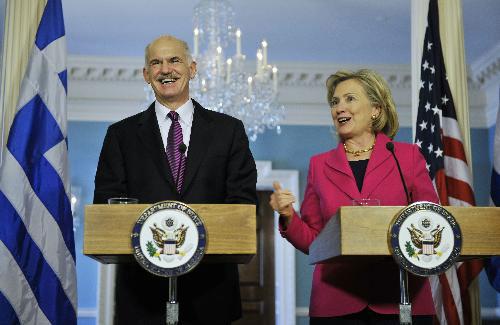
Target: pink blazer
[344, 287]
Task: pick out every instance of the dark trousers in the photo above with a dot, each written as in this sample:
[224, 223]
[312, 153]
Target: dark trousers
[369, 317]
[207, 295]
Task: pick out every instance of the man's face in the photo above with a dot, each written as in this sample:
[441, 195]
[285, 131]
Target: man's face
[168, 71]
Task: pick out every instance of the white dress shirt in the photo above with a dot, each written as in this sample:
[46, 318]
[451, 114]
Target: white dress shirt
[185, 112]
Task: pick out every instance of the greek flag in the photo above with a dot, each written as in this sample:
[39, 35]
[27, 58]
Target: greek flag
[37, 253]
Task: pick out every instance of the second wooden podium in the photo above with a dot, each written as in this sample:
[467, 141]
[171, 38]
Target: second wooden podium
[363, 231]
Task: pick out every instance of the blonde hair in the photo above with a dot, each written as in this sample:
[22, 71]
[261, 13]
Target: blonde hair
[378, 93]
[172, 38]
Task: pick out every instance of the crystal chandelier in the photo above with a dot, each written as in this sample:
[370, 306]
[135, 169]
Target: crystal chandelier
[222, 84]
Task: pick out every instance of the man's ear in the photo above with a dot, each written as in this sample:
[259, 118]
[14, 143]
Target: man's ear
[145, 75]
[192, 70]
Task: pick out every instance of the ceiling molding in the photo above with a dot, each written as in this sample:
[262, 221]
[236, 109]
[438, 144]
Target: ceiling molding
[94, 68]
[486, 70]
[112, 88]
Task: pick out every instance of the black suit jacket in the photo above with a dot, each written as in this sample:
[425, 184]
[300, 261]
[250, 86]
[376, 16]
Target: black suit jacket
[220, 169]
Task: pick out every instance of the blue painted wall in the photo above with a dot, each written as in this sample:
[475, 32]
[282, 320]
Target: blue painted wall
[84, 142]
[290, 150]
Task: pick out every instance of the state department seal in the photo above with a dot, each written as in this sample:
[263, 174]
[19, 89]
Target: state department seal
[425, 239]
[169, 239]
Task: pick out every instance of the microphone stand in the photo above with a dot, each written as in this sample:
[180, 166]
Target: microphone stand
[172, 308]
[404, 299]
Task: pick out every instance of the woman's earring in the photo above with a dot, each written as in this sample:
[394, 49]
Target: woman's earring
[374, 117]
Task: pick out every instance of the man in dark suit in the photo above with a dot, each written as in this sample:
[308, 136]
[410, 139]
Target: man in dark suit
[215, 166]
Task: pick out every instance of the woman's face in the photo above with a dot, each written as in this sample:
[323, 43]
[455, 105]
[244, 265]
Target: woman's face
[352, 110]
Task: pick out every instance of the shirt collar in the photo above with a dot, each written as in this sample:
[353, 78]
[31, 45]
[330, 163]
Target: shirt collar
[185, 112]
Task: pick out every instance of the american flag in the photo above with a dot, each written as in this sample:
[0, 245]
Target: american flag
[439, 137]
[37, 250]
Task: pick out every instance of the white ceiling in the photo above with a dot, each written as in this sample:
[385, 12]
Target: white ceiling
[336, 31]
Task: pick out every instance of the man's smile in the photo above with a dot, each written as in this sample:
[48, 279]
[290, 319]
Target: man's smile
[168, 80]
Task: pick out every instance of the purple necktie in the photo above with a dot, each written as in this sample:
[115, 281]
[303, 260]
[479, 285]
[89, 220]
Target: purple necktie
[175, 152]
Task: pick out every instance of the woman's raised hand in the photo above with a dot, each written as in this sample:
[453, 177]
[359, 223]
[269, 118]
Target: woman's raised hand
[281, 201]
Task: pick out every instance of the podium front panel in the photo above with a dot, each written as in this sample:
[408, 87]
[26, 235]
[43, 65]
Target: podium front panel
[231, 231]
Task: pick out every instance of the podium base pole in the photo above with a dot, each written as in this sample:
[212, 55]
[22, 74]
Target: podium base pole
[405, 314]
[172, 314]
[404, 305]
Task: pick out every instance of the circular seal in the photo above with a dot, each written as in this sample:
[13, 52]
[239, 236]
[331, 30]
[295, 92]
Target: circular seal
[169, 239]
[425, 239]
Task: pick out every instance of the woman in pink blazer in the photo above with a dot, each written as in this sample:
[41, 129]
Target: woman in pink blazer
[361, 167]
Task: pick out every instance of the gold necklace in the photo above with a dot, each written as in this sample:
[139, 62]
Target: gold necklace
[357, 152]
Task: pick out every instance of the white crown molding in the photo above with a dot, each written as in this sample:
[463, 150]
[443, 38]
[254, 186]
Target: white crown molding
[485, 72]
[111, 88]
[101, 68]
[486, 69]
[105, 68]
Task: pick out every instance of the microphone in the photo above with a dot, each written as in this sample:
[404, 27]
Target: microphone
[390, 147]
[182, 149]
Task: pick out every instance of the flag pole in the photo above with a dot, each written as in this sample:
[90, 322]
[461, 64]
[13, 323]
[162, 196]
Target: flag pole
[452, 42]
[419, 10]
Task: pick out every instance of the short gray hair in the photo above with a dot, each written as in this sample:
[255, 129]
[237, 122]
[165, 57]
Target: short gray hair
[170, 37]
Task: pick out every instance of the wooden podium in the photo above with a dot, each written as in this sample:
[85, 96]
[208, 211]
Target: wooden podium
[363, 231]
[231, 231]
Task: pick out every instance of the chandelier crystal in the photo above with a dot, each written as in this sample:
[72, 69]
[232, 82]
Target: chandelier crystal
[222, 84]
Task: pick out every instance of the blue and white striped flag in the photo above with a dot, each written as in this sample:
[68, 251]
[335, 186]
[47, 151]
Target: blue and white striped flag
[37, 251]
[492, 266]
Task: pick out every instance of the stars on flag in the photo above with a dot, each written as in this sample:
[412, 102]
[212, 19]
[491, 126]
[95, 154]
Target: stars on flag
[433, 100]
[423, 125]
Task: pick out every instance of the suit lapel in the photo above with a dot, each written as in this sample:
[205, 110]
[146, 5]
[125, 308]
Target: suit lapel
[338, 171]
[201, 136]
[150, 137]
[378, 168]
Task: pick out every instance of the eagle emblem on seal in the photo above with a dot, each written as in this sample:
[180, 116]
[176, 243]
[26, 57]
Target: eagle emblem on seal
[424, 239]
[167, 238]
